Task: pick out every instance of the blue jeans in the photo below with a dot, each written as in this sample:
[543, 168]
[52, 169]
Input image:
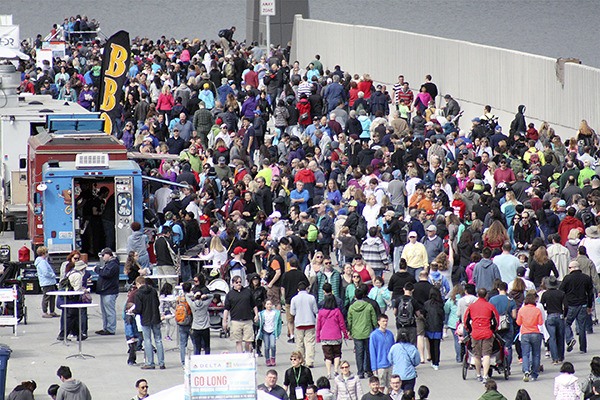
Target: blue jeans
[363, 359]
[148, 331]
[184, 335]
[555, 324]
[579, 314]
[378, 271]
[108, 304]
[457, 349]
[508, 338]
[396, 257]
[186, 271]
[531, 345]
[416, 271]
[270, 344]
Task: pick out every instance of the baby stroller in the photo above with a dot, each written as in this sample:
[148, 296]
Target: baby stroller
[218, 288]
[498, 359]
[9, 280]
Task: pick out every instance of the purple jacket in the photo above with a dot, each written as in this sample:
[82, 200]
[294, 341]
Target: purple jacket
[249, 106]
[330, 325]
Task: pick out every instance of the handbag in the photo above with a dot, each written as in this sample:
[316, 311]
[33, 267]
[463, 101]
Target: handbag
[504, 324]
[86, 298]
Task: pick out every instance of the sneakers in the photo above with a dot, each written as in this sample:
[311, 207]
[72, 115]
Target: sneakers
[547, 354]
[570, 345]
[54, 315]
[526, 377]
[162, 367]
[479, 378]
[46, 315]
[435, 367]
[148, 367]
[131, 341]
[291, 340]
[484, 380]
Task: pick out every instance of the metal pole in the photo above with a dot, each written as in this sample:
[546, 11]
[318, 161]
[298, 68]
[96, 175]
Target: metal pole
[268, 22]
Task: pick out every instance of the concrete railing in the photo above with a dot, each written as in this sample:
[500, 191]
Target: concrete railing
[473, 74]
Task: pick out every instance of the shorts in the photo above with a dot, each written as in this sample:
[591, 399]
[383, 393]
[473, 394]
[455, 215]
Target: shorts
[242, 331]
[332, 351]
[420, 326]
[384, 377]
[274, 294]
[482, 347]
[288, 315]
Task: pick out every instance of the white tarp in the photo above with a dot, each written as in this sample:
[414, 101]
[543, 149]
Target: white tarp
[177, 392]
[9, 37]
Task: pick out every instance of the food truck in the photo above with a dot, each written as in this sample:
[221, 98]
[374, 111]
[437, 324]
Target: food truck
[68, 158]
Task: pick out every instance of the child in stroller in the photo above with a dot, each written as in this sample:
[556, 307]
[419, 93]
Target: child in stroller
[498, 359]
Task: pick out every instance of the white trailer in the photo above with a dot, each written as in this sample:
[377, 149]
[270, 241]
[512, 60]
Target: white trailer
[19, 114]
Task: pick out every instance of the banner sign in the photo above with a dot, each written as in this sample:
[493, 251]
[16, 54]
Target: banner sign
[9, 37]
[221, 376]
[115, 65]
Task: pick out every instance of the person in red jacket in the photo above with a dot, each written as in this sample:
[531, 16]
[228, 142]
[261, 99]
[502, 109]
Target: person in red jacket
[481, 319]
[568, 223]
[303, 107]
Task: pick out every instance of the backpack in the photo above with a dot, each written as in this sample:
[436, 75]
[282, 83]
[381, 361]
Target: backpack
[404, 232]
[405, 315]
[587, 218]
[439, 285]
[229, 70]
[183, 312]
[313, 233]
[361, 228]
[222, 33]
[360, 107]
[65, 284]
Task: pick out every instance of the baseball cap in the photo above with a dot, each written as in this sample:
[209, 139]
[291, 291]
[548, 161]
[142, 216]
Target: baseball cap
[276, 214]
[432, 228]
[221, 160]
[353, 203]
[106, 250]
[412, 234]
[239, 250]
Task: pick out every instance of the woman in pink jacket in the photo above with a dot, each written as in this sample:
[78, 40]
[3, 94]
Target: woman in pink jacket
[165, 102]
[331, 328]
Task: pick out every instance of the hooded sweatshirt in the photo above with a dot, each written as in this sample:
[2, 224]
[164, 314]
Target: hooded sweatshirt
[76, 275]
[484, 274]
[566, 387]
[147, 305]
[492, 395]
[73, 389]
[362, 319]
[374, 254]
[330, 325]
[138, 242]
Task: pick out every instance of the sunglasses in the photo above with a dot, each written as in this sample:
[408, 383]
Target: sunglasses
[327, 263]
[356, 276]
[345, 367]
[293, 359]
[75, 258]
[144, 387]
[236, 282]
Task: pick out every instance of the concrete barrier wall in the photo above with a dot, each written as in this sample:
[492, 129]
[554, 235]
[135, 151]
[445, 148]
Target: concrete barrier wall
[473, 74]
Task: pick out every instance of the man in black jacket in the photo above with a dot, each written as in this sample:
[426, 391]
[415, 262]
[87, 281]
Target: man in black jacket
[147, 305]
[579, 291]
[163, 248]
[108, 289]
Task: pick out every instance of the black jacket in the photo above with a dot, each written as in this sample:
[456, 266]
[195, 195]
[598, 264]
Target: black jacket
[578, 288]
[397, 282]
[163, 255]
[147, 305]
[108, 277]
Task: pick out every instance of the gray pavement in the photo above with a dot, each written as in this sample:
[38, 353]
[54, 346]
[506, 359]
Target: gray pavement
[109, 377]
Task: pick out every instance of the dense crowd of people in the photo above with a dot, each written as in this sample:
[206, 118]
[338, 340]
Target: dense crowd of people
[333, 204]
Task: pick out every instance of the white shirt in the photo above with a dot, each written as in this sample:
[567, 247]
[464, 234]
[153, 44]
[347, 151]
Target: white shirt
[162, 196]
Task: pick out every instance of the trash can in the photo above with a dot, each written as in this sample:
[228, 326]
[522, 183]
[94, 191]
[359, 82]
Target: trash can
[4, 356]
[21, 229]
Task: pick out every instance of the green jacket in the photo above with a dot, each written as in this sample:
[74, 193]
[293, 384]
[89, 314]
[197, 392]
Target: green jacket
[261, 322]
[492, 395]
[361, 319]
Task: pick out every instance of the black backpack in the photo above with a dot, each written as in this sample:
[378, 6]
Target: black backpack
[361, 228]
[405, 315]
[222, 33]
